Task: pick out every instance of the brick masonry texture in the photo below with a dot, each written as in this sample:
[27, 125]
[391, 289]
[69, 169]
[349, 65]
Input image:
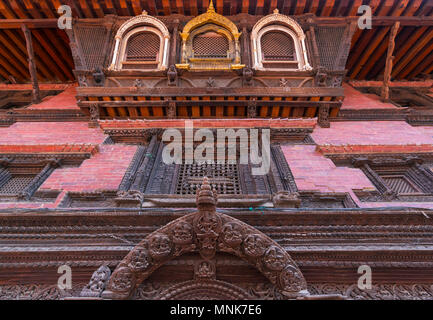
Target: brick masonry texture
[104, 171]
[34, 133]
[371, 133]
[314, 172]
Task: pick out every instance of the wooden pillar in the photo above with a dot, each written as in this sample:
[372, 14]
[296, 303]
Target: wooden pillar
[36, 96]
[389, 59]
[174, 40]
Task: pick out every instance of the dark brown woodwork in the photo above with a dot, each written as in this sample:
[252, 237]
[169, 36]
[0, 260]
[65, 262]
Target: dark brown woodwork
[32, 66]
[389, 62]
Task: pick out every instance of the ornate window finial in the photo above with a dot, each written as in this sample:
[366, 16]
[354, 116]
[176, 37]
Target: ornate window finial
[144, 13]
[211, 8]
[276, 11]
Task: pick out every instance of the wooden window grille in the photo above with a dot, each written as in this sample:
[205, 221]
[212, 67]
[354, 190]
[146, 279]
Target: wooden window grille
[16, 184]
[210, 45]
[278, 46]
[400, 184]
[224, 178]
[143, 46]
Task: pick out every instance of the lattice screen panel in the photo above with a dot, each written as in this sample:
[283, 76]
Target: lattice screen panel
[399, 184]
[210, 45]
[92, 39]
[278, 46]
[224, 178]
[328, 41]
[16, 184]
[143, 46]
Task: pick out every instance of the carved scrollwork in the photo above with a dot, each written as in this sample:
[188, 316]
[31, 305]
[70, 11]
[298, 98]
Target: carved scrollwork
[232, 234]
[97, 282]
[275, 258]
[291, 280]
[121, 282]
[254, 245]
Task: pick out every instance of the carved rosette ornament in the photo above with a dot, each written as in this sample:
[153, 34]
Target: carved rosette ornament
[140, 259]
[160, 246]
[207, 232]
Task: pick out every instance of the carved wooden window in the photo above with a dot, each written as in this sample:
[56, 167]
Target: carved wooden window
[278, 46]
[16, 184]
[278, 42]
[149, 179]
[210, 45]
[142, 51]
[400, 184]
[224, 178]
[143, 46]
[20, 181]
[397, 179]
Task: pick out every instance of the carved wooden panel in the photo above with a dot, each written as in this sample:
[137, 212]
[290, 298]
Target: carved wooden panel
[224, 178]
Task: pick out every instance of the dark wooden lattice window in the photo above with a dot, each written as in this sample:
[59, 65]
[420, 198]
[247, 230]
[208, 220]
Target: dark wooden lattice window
[143, 46]
[224, 178]
[400, 184]
[210, 45]
[16, 184]
[278, 46]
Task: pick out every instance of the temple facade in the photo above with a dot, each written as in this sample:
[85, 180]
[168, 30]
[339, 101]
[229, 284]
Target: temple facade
[300, 143]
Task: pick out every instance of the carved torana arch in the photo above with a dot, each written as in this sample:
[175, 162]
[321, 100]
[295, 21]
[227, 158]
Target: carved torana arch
[207, 232]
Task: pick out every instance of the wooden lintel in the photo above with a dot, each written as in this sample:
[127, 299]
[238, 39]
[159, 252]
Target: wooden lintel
[197, 92]
[165, 103]
[36, 96]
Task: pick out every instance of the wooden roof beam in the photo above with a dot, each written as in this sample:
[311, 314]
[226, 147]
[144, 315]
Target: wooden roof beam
[327, 8]
[300, 6]
[418, 59]
[166, 7]
[259, 7]
[14, 61]
[136, 7]
[421, 43]
[19, 43]
[383, 45]
[234, 7]
[422, 67]
[245, 6]
[98, 9]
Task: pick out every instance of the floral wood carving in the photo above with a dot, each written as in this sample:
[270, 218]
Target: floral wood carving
[97, 283]
[206, 232]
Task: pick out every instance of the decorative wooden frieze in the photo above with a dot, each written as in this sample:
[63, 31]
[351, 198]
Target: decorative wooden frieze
[323, 119]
